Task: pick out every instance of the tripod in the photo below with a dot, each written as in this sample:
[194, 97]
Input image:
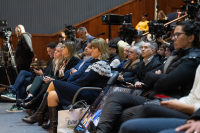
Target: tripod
[12, 59]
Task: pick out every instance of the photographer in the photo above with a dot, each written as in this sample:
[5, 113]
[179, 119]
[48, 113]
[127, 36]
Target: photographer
[85, 39]
[24, 52]
[61, 37]
[138, 41]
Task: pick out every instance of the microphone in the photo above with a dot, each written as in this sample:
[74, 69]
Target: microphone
[103, 33]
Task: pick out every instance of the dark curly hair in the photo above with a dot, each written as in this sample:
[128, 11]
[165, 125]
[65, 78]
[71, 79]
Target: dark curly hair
[191, 28]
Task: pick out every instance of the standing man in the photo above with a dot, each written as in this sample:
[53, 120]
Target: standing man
[24, 52]
[85, 39]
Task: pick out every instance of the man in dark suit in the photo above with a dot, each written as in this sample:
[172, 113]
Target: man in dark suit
[149, 63]
[85, 38]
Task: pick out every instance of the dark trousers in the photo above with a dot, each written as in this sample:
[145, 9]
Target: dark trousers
[115, 105]
[36, 85]
[153, 111]
[25, 67]
[151, 125]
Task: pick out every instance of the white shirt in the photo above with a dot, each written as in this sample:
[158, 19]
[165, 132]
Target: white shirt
[194, 97]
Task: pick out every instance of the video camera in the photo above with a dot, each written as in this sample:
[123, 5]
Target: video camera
[70, 32]
[157, 28]
[128, 32]
[192, 7]
[5, 33]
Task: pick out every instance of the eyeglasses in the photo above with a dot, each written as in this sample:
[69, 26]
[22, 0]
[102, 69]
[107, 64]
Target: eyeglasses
[176, 35]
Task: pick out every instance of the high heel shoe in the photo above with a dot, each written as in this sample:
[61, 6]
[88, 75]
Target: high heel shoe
[47, 125]
[30, 105]
[29, 98]
[39, 114]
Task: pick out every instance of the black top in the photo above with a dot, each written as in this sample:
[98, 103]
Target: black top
[73, 62]
[24, 51]
[196, 115]
[139, 76]
[113, 57]
[179, 77]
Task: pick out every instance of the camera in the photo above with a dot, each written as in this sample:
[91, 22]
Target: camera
[127, 32]
[5, 33]
[156, 28]
[70, 32]
[192, 7]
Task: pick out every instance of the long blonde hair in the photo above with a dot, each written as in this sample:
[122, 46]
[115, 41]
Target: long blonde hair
[60, 61]
[71, 46]
[102, 46]
[162, 14]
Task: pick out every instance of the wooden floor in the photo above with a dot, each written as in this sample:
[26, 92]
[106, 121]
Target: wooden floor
[12, 123]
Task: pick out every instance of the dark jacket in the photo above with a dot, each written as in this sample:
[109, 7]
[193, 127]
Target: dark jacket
[179, 77]
[79, 72]
[73, 62]
[139, 76]
[113, 57]
[80, 46]
[121, 65]
[127, 75]
[24, 51]
[196, 115]
[97, 74]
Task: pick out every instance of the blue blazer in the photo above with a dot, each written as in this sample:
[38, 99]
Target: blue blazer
[79, 72]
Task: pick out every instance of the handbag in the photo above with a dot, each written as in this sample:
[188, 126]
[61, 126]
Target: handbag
[68, 119]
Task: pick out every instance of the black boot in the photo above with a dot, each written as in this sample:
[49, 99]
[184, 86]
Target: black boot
[47, 125]
[39, 114]
[29, 98]
[53, 116]
[30, 105]
[33, 103]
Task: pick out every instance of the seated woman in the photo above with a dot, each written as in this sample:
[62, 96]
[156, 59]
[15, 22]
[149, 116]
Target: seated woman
[143, 24]
[70, 75]
[38, 80]
[182, 109]
[59, 67]
[63, 92]
[175, 79]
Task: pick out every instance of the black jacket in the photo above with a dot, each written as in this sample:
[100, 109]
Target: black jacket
[179, 77]
[24, 51]
[113, 57]
[196, 115]
[73, 62]
[139, 76]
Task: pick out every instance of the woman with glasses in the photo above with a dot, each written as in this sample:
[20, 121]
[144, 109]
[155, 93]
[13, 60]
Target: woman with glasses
[96, 75]
[175, 79]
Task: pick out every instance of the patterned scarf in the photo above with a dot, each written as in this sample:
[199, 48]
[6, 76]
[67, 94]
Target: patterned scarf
[62, 70]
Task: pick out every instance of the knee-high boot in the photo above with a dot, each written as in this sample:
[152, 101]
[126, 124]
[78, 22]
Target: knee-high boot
[53, 116]
[39, 114]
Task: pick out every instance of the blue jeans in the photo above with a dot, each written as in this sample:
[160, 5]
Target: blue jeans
[151, 125]
[21, 82]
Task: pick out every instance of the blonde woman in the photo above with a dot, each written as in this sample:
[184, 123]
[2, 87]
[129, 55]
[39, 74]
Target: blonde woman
[161, 15]
[96, 75]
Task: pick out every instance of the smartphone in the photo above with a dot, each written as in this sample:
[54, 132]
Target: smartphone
[43, 77]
